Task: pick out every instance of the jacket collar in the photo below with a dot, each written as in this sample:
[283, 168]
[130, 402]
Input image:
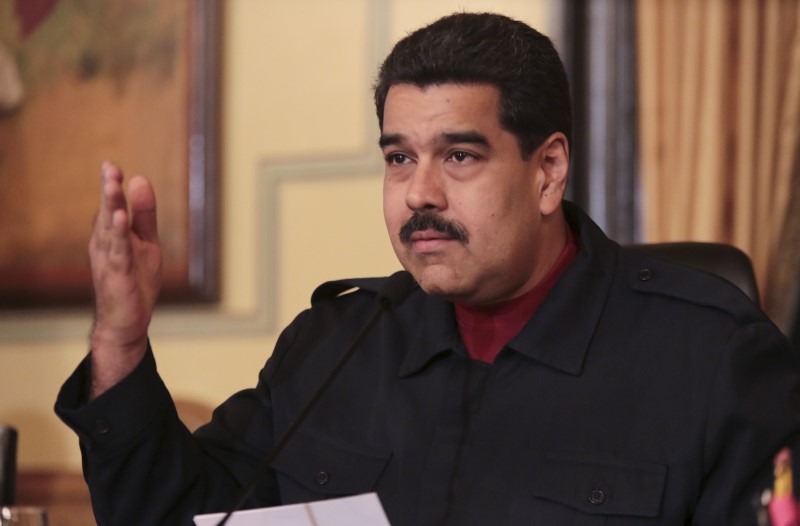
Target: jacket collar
[560, 332]
[436, 334]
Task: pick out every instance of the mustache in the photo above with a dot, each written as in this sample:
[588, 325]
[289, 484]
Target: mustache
[434, 222]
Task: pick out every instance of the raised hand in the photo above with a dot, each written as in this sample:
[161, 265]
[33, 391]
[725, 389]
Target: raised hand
[126, 272]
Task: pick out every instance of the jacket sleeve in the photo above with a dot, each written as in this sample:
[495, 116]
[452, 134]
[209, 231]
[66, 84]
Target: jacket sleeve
[143, 466]
[754, 411]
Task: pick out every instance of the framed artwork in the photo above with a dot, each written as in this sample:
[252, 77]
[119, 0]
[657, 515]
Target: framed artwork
[81, 82]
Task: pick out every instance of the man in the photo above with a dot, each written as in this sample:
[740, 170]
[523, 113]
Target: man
[539, 375]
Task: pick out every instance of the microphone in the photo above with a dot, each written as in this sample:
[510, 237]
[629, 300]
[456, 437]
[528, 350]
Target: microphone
[392, 293]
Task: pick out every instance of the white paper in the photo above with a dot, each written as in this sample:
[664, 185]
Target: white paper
[360, 510]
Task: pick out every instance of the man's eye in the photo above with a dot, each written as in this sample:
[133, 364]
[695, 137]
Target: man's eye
[397, 158]
[461, 157]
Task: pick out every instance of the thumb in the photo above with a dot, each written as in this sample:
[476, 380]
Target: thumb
[142, 199]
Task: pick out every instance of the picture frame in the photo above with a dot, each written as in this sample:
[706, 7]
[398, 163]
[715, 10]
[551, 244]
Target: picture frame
[135, 82]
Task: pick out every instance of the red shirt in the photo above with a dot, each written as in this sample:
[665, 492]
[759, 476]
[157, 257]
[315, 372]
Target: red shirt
[486, 329]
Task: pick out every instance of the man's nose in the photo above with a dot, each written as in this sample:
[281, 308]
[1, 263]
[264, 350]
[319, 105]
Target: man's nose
[426, 191]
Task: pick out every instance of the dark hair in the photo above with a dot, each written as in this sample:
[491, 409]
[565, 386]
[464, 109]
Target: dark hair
[478, 48]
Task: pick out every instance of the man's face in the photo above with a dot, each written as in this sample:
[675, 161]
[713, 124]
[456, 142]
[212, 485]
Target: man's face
[467, 216]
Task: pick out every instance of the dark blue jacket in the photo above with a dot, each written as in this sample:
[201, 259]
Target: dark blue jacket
[640, 393]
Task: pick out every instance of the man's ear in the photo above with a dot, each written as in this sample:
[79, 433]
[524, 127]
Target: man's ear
[554, 163]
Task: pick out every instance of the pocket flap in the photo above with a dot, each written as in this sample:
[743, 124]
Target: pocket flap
[601, 485]
[322, 466]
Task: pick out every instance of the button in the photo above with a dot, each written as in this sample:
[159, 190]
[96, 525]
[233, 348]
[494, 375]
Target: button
[645, 274]
[322, 478]
[102, 426]
[597, 497]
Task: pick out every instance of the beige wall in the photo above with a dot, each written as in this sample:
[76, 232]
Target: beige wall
[301, 204]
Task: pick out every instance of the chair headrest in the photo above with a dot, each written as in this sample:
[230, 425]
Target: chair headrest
[726, 261]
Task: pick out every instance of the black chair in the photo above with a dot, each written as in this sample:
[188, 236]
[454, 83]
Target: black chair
[8, 465]
[726, 261]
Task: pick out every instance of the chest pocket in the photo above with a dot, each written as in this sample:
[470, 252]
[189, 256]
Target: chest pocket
[313, 467]
[600, 486]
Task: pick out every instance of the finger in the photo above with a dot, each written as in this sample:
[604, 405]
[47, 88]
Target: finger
[143, 208]
[119, 252]
[112, 197]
